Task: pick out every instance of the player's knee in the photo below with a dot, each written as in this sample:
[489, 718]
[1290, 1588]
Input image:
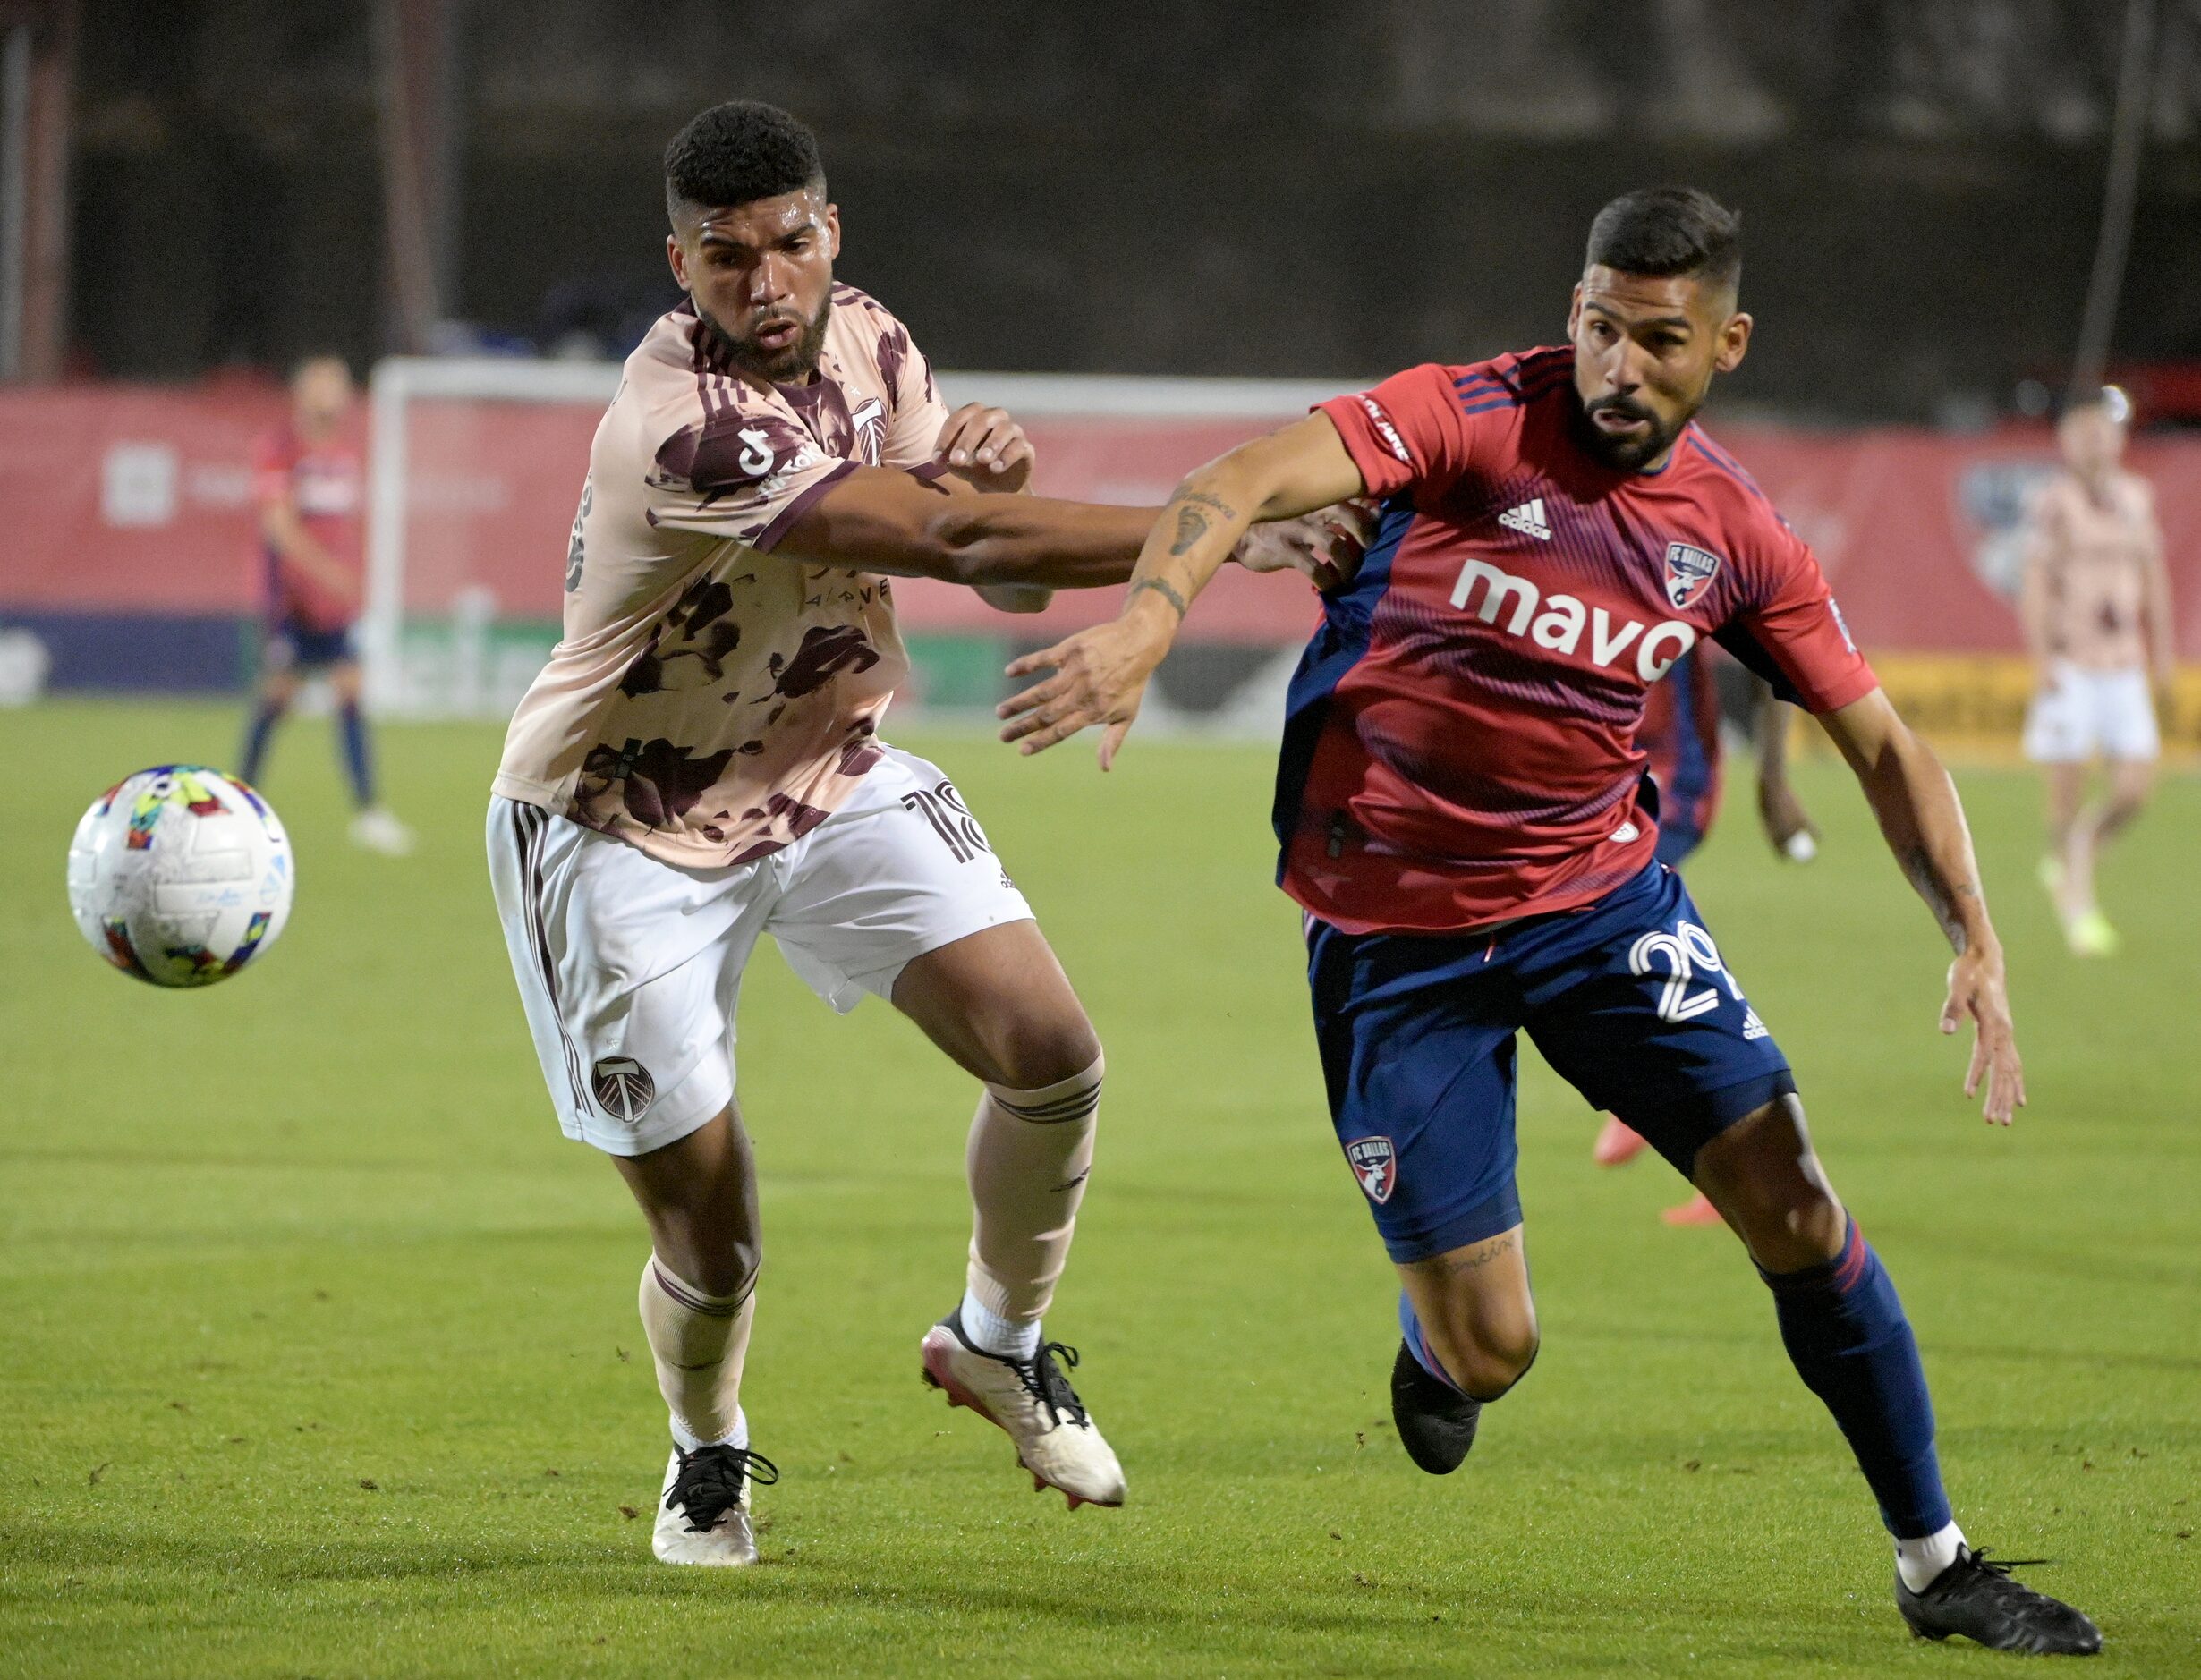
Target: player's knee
[721, 1265]
[1033, 1054]
[1494, 1369]
[1488, 1360]
[1785, 1224]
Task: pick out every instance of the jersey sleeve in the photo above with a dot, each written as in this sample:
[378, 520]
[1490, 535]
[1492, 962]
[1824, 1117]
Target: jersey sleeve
[743, 476]
[1407, 433]
[914, 425]
[1792, 633]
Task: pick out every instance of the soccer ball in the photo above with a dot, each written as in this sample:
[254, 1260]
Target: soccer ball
[180, 874]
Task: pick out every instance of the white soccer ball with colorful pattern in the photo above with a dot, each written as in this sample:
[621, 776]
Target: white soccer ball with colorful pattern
[180, 874]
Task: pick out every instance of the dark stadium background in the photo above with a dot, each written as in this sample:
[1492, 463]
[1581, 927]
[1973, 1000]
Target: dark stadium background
[1292, 188]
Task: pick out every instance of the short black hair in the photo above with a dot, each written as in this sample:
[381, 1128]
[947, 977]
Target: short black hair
[737, 153]
[1669, 231]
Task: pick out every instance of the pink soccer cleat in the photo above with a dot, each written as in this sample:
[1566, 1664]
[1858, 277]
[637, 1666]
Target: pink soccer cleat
[1618, 1144]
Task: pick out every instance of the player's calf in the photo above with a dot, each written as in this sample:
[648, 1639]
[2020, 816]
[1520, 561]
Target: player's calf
[697, 1301]
[1029, 1153]
[1467, 1330]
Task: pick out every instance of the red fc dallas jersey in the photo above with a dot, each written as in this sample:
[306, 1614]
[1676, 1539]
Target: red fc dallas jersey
[324, 483]
[1460, 739]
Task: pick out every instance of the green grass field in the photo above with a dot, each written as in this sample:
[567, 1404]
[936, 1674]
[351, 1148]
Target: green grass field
[320, 1355]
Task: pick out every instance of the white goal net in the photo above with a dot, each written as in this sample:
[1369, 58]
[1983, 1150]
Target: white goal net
[476, 465]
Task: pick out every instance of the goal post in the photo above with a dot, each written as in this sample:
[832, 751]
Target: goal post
[474, 473]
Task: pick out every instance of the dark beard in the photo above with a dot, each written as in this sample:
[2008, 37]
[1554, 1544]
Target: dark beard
[790, 366]
[1624, 455]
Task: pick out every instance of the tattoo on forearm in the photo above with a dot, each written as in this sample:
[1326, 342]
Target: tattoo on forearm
[1192, 524]
[1939, 894]
[1162, 587]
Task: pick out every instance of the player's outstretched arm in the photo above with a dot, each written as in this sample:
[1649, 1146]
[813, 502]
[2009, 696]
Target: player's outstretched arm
[1101, 675]
[876, 519]
[1920, 815]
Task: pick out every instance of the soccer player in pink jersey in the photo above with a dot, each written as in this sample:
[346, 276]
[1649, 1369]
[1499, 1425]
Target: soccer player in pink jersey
[1460, 812]
[699, 764]
[308, 485]
[2095, 607]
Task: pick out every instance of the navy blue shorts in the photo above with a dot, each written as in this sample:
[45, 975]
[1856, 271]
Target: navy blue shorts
[1628, 999]
[290, 645]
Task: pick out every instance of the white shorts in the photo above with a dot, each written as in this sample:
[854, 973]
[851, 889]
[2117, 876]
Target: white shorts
[630, 969]
[2082, 714]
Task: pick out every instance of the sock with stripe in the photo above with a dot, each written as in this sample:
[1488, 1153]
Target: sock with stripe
[1848, 1336]
[358, 768]
[1028, 1155]
[257, 736]
[698, 1342]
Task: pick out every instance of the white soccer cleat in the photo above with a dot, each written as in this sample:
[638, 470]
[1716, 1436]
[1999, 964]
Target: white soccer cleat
[1032, 1402]
[703, 1516]
[377, 830]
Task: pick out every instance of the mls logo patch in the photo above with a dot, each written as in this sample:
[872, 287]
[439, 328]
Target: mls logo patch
[1689, 571]
[1375, 1165]
[624, 1088]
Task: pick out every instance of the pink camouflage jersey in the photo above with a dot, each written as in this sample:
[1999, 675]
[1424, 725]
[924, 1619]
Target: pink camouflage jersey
[711, 701]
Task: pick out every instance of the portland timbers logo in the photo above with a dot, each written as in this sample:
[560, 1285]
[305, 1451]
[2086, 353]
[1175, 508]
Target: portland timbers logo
[1689, 571]
[624, 1088]
[1376, 1165]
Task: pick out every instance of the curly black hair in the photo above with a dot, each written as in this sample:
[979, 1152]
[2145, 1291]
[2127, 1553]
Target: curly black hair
[1667, 231]
[736, 153]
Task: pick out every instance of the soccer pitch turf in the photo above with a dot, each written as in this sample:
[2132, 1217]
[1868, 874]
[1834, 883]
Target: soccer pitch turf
[321, 1355]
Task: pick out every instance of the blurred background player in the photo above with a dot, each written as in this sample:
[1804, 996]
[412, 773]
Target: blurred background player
[2095, 604]
[309, 488]
[1680, 730]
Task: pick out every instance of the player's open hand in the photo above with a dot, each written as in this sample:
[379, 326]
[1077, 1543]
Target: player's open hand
[984, 446]
[1100, 678]
[1976, 989]
[1325, 546]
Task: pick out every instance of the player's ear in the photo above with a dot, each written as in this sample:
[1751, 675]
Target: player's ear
[1734, 342]
[1574, 312]
[678, 259]
[833, 230]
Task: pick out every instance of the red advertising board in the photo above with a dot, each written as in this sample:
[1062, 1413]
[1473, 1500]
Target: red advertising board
[125, 499]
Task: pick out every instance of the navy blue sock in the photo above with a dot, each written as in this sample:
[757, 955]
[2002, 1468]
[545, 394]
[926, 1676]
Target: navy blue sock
[1417, 1344]
[256, 738]
[352, 727]
[1847, 1335]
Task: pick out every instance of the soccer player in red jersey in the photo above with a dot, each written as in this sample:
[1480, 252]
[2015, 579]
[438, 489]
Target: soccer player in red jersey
[308, 485]
[1458, 803]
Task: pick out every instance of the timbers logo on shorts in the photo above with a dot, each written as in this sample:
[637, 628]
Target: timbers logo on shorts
[624, 1088]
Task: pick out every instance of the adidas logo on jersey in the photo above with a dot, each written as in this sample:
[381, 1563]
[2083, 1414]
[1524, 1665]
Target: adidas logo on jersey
[1752, 1028]
[1528, 520]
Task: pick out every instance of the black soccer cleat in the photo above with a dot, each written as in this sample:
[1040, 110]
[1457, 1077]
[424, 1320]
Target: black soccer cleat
[1436, 1422]
[1978, 1599]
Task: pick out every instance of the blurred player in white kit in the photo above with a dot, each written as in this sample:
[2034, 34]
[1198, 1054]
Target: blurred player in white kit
[699, 764]
[2095, 606]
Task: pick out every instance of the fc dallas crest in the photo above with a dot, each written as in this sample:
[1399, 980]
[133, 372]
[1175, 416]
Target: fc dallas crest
[1689, 572]
[1376, 1165]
